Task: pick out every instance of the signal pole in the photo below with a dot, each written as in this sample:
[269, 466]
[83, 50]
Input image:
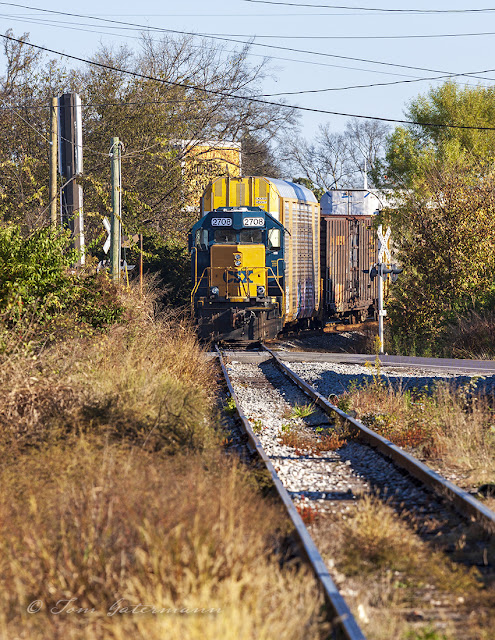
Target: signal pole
[381, 271]
[115, 223]
[53, 161]
[71, 165]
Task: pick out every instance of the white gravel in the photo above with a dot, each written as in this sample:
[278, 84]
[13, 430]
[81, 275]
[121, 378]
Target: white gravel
[334, 378]
[333, 479]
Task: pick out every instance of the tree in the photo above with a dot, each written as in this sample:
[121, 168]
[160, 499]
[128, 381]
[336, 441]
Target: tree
[336, 160]
[445, 237]
[258, 158]
[448, 104]
[325, 161]
[366, 140]
[201, 93]
[443, 222]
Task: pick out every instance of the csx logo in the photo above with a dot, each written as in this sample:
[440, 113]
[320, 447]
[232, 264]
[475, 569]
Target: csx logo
[239, 277]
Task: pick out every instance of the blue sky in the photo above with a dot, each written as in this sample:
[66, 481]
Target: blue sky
[331, 32]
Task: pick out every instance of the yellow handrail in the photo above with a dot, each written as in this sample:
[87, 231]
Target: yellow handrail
[208, 271]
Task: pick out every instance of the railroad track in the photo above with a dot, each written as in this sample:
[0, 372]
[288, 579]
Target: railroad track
[328, 482]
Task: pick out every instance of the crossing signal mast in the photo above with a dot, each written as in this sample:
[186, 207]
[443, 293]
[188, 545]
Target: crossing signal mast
[381, 270]
[70, 167]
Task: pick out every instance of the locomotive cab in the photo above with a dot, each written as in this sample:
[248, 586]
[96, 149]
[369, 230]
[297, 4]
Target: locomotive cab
[238, 274]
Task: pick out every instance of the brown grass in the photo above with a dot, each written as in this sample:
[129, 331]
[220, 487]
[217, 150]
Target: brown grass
[455, 426]
[304, 442]
[100, 523]
[391, 574]
[145, 380]
[115, 489]
[472, 337]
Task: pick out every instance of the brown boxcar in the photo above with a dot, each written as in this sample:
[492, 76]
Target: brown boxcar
[348, 249]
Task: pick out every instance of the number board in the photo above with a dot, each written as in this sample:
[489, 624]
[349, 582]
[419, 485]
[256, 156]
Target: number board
[221, 222]
[253, 222]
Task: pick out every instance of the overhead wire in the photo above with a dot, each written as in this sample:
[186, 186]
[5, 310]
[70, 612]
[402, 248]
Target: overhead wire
[372, 9]
[251, 54]
[226, 38]
[228, 95]
[78, 26]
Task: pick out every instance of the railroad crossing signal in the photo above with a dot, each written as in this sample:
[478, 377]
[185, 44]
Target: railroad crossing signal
[381, 270]
[383, 245]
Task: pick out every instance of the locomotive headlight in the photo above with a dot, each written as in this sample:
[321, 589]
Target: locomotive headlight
[260, 291]
[237, 260]
[214, 291]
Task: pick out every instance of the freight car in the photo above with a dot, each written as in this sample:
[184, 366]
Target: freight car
[255, 259]
[348, 250]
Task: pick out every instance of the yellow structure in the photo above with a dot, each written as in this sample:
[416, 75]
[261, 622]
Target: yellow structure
[298, 210]
[204, 160]
[241, 270]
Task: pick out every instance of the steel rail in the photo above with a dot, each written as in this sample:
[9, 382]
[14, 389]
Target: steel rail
[344, 625]
[464, 502]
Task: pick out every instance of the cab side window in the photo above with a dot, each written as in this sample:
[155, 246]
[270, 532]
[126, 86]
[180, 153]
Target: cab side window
[274, 239]
[201, 240]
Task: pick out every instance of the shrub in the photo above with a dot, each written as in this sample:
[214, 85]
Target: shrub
[39, 286]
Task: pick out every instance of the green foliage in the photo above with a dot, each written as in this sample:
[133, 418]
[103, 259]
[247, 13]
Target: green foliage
[410, 150]
[257, 426]
[302, 410]
[445, 237]
[170, 261]
[39, 285]
[443, 224]
[286, 428]
[230, 407]
[161, 125]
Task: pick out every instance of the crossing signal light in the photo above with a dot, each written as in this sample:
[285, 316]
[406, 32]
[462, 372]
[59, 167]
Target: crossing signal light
[383, 271]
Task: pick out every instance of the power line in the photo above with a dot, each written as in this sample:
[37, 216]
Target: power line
[361, 86]
[225, 94]
[78, 26]
[56, 23]
[373, 9]
[226, 38]
[368, 86]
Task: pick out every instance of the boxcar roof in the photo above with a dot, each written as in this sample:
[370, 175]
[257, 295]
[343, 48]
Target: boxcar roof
[291, 190]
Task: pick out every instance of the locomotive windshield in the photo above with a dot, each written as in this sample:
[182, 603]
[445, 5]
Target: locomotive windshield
[225, 236]
[251, 236]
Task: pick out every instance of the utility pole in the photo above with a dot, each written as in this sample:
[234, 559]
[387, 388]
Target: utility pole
[71, 165]
[53, 161]
[141, 264]
[115, 223]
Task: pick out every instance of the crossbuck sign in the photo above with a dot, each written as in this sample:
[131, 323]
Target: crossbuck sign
[383, 245]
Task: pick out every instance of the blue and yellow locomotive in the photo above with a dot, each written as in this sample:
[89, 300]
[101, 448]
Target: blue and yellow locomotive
[255, 258]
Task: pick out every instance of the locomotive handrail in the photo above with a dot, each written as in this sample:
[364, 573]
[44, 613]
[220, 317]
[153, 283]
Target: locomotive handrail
[196, 286]
[207, 271]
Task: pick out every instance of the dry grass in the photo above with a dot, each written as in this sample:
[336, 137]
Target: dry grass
[305, 442]
[115, 489]
[100, 522]
[472, 337]
[145, 380]
[391, 575]
[456, 426]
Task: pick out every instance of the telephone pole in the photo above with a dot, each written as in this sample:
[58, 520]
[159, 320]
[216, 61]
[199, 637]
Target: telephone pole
[115, 223]
[53, 192]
